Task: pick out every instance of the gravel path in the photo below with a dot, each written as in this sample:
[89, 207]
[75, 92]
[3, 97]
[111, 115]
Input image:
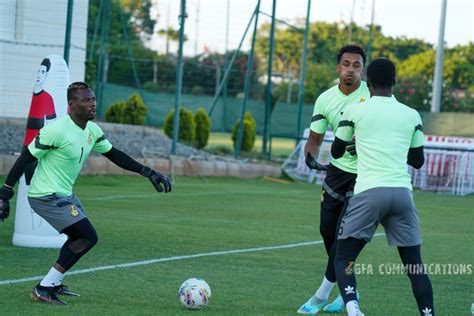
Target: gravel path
[137, 141]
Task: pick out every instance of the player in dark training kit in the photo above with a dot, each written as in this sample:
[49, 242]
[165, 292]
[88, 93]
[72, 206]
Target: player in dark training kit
[341, 173]
[61, 149]
[388, 135]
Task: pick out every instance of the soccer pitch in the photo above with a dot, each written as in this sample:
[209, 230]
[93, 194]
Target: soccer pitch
[212, 219]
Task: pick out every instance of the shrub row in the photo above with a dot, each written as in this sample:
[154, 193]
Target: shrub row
[194, 130]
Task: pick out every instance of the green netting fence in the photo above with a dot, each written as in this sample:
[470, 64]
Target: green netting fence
[283, 120]
[225, 115]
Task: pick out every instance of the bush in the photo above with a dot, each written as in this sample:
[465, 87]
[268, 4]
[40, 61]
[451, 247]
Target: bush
[197, 90]
[114, 113]
[414, 92]
[203, 128]
[170, 88]
[135, 110]
[151, 86]
[249, 133]
[131, 112]
[186, 126]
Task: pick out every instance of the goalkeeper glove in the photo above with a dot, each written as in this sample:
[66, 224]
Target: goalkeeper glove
[313, 164]
[351, 148]
[159, 181]
[6, 193]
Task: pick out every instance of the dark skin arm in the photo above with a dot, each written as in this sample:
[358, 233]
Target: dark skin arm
[313, 144]
[312, 151]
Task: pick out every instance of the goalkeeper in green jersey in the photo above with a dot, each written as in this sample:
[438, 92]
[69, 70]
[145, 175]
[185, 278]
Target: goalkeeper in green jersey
[61, 148]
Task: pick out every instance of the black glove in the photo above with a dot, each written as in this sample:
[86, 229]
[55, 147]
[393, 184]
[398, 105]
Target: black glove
[313, 164]
[351, 148]
[159, 181]
[6, 193]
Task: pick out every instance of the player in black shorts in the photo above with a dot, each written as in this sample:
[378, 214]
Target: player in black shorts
[338, 185]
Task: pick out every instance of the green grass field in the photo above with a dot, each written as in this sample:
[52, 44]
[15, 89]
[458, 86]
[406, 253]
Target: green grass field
[281, 147]
[135, 224]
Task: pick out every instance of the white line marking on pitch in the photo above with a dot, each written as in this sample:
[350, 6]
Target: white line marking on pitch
[139, 196]
[175, 258]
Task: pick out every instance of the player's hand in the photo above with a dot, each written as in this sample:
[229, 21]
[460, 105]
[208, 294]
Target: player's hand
[160, 181]
[4, 209]
[6, 193]
[351, 148]
[313, 164]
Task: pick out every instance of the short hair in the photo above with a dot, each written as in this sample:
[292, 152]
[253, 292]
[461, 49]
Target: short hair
[73, 87]
[46, 63]
[381, 73]
[352, 49]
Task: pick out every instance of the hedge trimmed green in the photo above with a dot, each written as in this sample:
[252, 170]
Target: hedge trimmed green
[187, 127]
[203, 128]
[249, 133]
[133, 111]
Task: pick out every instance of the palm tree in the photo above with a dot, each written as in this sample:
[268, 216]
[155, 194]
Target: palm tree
[171, 35]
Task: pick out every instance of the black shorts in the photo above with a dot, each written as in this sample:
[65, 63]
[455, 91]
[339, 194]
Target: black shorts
[337, 187]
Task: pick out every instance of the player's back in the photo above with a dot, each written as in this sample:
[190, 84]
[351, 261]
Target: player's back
[384, 129]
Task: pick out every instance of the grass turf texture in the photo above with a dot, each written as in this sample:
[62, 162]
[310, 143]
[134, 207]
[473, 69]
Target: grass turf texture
[281, 147]
[134, 224]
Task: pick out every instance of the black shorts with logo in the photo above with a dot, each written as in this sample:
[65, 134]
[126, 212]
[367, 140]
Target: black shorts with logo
[337, 187]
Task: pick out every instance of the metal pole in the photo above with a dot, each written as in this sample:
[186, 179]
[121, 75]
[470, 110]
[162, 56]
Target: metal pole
[129, 47]
[101, 67]
[349, 37]
[290, 87]
[224, 90]
[96, 28]
[302, 74]
[438, 73]
[67, 40]
[196, 34]
[371, 34]
[248, 79]
[268, 93]
[231, 62]
[227, 26]
[179, 77]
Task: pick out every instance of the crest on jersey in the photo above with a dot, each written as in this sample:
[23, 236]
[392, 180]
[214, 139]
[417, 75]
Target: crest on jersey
[362, 100]
[89, 139]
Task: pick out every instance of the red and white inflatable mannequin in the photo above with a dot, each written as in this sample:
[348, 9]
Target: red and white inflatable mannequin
[49, 101]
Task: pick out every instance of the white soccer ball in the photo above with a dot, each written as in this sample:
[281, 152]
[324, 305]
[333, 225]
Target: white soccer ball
[194, 293]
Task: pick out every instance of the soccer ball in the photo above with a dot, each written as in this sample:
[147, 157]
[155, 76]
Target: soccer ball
[194, 293]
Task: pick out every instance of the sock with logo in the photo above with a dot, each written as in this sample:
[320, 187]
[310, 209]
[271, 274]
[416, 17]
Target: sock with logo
[420, 282]
[347, 251]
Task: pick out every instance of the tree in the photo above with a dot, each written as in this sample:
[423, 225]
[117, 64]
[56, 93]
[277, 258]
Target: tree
[138, 26]
[140, 18]
[171, 35]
